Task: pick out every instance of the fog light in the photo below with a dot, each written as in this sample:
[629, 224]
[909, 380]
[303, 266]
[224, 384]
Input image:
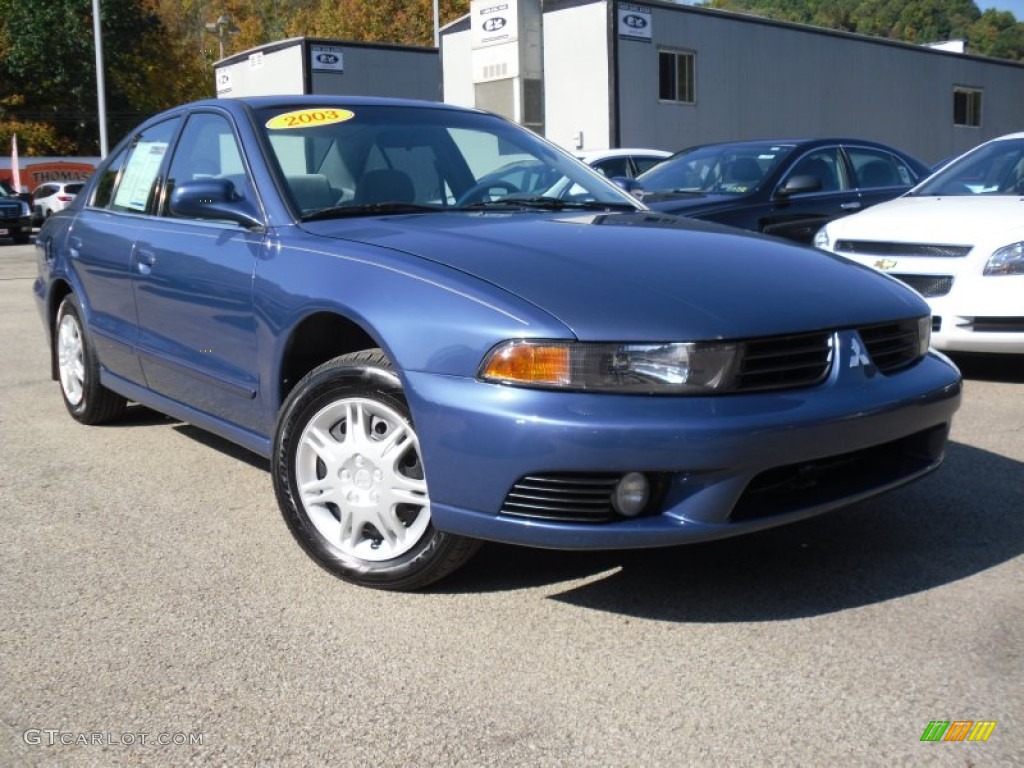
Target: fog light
[631, 494]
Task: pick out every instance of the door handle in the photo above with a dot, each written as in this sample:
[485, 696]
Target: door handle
[145, 260]
[854, 206]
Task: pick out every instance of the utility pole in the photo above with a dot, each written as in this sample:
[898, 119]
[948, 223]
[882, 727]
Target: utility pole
[101, 89]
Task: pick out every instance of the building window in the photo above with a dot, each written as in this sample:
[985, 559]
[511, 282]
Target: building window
[966, 106]
[675, 76]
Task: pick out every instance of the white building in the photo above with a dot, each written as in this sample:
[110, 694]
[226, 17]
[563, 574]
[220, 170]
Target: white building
[670, 76]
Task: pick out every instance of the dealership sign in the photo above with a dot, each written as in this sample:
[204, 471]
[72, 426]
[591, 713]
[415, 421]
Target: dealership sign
[634, 21]
[494, 22]
[326, 58]
[39, 170]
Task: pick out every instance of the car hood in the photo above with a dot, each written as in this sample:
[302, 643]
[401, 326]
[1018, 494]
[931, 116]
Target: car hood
[685, 204]
[644, 275]
[960, 220]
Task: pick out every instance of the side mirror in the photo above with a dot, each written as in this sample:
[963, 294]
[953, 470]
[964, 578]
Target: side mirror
[214, 199]
[632, 186]
[799, 184]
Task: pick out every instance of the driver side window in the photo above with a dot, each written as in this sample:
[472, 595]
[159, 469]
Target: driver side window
[207, 149]
[824, 165]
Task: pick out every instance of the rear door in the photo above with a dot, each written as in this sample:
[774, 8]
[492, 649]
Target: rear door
[101, 246]
[879, 175]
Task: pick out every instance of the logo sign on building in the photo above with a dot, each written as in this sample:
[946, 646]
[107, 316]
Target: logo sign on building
[494, 22]
[224, 84]
[635, 21]
[326, 58]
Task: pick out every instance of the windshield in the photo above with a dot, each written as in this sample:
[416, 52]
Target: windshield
[996, 168]
[720, 169]
[384, 159]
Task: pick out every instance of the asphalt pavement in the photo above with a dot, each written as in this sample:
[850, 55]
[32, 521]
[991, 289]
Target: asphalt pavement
[157, 612]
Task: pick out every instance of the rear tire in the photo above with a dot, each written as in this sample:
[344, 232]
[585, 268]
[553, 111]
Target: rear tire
[350, 481]
[88, 401]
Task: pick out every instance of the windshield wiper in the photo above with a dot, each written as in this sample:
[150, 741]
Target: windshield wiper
[545, 203]
[372, 209]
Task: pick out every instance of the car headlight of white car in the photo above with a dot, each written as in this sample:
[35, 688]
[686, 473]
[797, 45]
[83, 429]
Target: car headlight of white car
[670, 368]
[1008, 260]
[821, 239]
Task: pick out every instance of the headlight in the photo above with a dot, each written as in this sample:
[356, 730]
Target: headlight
[924, 335]
[25, 210]
[1008, 260]
[821, 238]
[630, 368]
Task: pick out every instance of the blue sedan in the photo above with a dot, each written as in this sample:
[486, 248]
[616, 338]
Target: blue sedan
[430, 359]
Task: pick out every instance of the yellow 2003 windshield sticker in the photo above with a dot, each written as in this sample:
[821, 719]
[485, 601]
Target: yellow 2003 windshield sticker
[303, 118]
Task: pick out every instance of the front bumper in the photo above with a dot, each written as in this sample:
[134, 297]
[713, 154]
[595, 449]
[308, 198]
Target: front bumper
[980, 314]
[15, 225]
[718, 454]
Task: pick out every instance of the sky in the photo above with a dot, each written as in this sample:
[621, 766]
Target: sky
[1016, 7]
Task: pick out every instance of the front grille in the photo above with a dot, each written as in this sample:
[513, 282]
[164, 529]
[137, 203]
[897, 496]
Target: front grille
[567, 497]
[821, 481]
[996, 325]
[10, 213]
[929, 286]
[785, 362]
[892, 346]
[873, 248]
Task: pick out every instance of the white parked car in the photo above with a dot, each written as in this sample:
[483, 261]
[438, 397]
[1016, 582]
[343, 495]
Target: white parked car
[627, 163]
[958, 239]
[54, 196]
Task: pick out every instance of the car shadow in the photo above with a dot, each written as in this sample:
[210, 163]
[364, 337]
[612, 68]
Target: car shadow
[956, 523]
[990, 367]
[136, 415]
[217, 443]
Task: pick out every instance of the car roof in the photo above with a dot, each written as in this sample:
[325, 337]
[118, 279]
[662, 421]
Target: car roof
[828, 140]
[298, 101]
[593, 154]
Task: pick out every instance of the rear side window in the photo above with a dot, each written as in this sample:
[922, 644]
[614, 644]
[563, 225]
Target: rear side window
[876, 168]
[73, 189]
[137, 187]
[614, 166]
[645, 163]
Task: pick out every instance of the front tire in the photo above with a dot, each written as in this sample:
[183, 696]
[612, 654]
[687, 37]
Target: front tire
[350, 482]
[78, 368]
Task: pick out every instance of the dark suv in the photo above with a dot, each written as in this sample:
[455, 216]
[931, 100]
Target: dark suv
[15, 216]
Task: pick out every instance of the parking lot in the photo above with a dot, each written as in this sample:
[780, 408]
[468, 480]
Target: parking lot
[159, 613]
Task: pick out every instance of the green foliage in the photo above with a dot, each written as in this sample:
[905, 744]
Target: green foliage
[992, 33]
[158, 53]
[48, 69]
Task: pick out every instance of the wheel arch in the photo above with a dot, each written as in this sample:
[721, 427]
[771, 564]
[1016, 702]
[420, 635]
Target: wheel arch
[317, 338]
[59, 290]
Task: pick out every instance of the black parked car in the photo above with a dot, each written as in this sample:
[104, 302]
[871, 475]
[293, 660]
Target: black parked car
[786, 188]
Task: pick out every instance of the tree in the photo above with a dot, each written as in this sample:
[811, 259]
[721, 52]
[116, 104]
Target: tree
[408, 22]
[992, 33]
[49, 74]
